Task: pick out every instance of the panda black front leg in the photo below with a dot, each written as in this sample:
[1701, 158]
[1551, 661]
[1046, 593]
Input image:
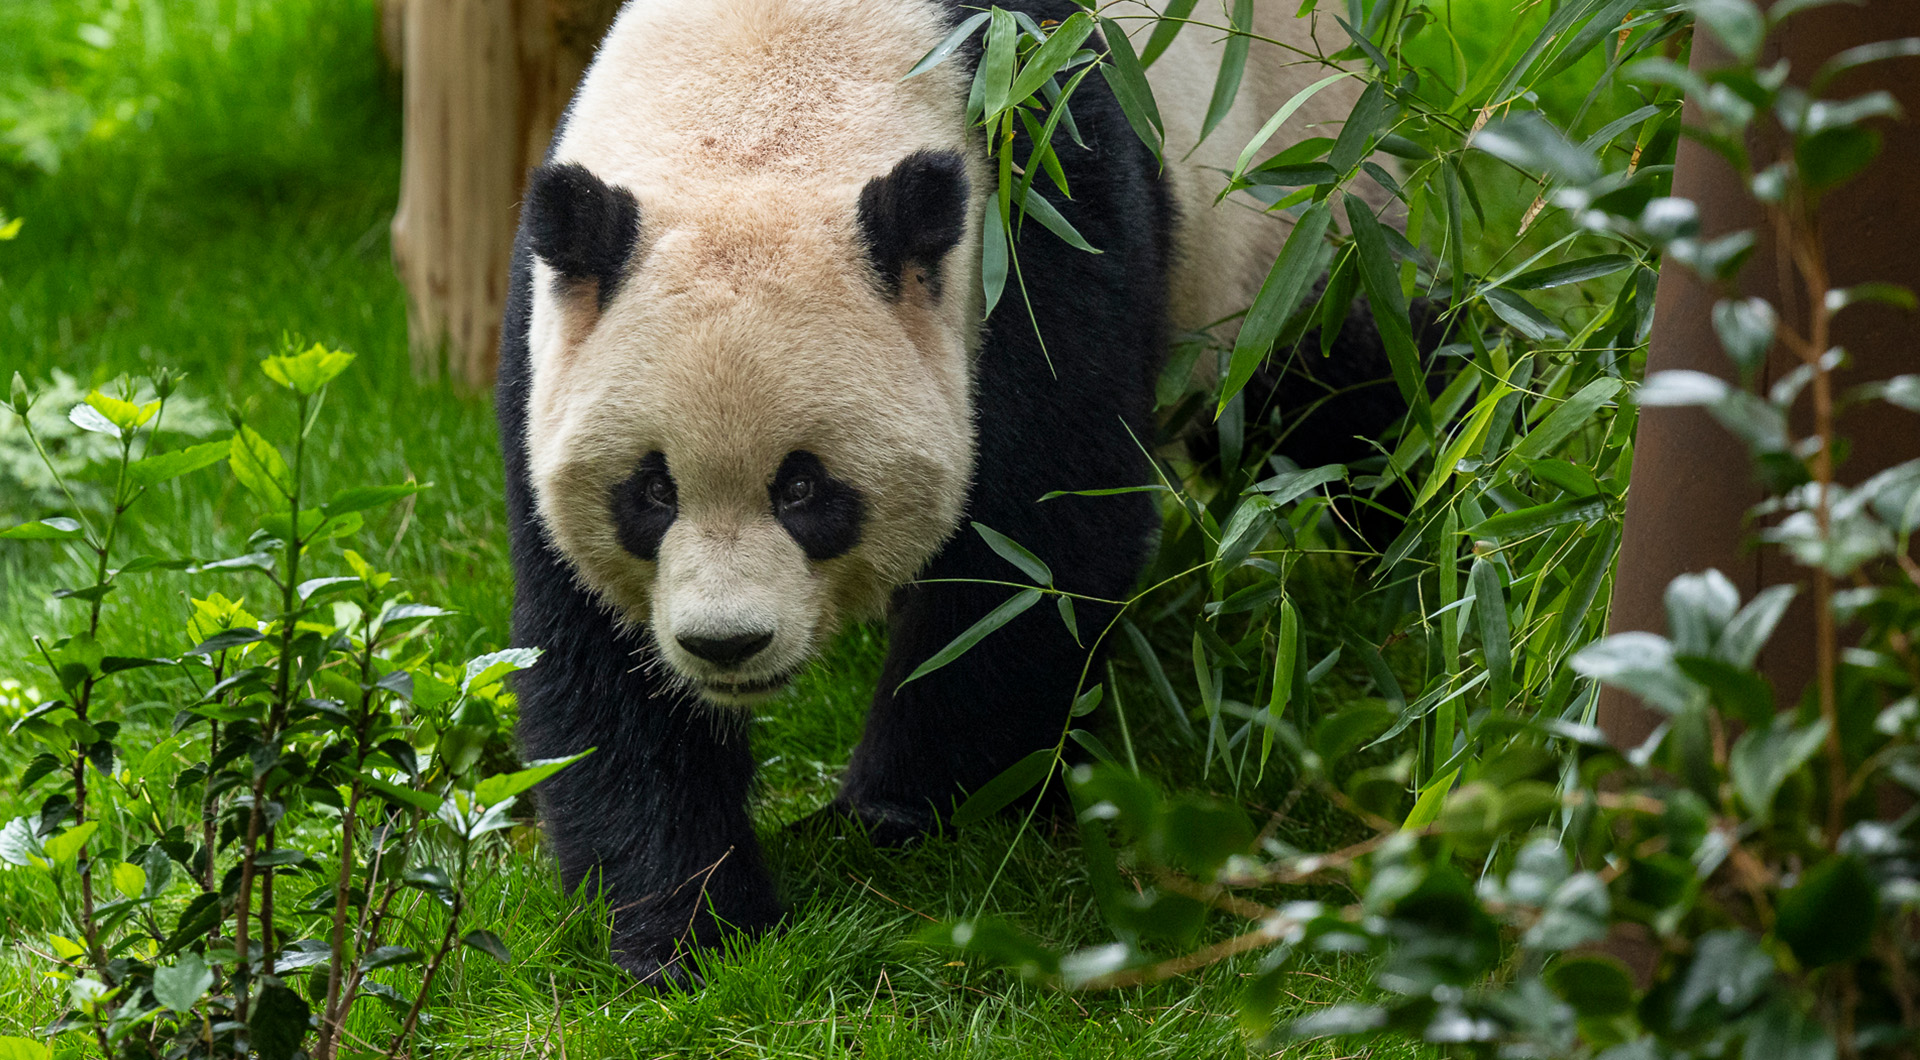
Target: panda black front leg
[655, 819]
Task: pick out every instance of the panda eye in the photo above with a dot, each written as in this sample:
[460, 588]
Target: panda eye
[661, 492]
[797, 492]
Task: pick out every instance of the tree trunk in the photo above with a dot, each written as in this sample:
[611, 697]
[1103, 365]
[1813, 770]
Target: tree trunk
[486, 81]
[1692, 483]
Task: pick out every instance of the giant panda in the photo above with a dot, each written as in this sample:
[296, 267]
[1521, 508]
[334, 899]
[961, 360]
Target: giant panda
[747, 395]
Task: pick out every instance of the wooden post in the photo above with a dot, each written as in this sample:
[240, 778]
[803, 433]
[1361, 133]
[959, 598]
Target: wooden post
[1692, 485]
[485, 83]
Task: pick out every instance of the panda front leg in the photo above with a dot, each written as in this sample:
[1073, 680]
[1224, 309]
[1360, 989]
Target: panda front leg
[655, 819]
[929, 743]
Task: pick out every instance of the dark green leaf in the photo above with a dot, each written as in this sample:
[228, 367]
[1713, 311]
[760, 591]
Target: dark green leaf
[361, 498]
[1128, 79]
[1833, 156]
[1728, 973]
[1577, 271]
[278, 1023]
[993, 253]
[1830, 915]
[1038, 208]
[1737, 24]
[1369, 113]
[996, 794]
[994, 941]
[488, 943]
[1598, 987]
[387, 957]
[1292, 273]
[1490, 607]
[996, 65]
[1389, 304]
[225, 640]
[1528, 521]
[1527, 140]
[1782, 1032]
[1522, 316]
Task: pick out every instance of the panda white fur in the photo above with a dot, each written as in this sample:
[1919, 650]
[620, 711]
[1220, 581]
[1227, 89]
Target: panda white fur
[746, 396]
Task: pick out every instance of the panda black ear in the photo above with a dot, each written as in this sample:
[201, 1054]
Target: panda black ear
[913, 216]
[582, 227]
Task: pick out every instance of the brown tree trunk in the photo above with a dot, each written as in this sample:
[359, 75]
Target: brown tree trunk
[1692, 485]
[486, 81]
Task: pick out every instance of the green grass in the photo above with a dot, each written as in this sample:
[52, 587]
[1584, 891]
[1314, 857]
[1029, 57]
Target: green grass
[200, 177]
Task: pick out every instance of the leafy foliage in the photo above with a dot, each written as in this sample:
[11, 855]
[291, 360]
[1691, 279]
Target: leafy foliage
[1738, 857]
[320, 751]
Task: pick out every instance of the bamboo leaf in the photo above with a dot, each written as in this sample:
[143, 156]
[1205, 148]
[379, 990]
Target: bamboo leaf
[1233, 66]
[997, 794]
[1015, 553]
[1292, 273]
[1389, 304]
[974, 634]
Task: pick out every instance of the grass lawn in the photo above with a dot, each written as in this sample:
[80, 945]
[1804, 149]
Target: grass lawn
[199, 177]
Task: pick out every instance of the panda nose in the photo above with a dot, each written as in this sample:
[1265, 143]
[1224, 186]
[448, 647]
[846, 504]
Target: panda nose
[726, 651]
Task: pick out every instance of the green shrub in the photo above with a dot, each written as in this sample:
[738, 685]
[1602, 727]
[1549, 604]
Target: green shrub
[239, 835]
[1739, 854]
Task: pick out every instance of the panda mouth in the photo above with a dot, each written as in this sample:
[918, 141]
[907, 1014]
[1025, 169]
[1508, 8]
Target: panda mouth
[745, 689]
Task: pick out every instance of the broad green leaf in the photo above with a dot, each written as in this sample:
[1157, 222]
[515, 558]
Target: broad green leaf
[126, 415]
[307, 371]
[1015, 553]
[486, 669]
[1781, 1032]
[1233, 66]
[181, 985]
[996, 794]
[65, 847]
[278, 1023]
[1763, 759]
[1389, 304]
[488, 943]
[129, 879]
[22, 1048]
[1737, 23]
[974, 634]
[1528, 141]
[1597, 986]
[1286, 284]
[58, 528]
[170, 465]
[504, 786]
[1043, 62]
[1829, 916]
[260, 467]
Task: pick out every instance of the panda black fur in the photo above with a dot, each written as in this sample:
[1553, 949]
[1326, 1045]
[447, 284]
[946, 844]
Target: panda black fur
[603, 524]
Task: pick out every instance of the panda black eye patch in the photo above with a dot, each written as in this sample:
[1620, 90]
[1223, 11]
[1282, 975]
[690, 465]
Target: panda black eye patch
[821, 513]
[913, 216]
[644, 505]
[582, 227]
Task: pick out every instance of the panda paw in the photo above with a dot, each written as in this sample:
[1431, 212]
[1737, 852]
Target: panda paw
[671, 970]
[884, 825]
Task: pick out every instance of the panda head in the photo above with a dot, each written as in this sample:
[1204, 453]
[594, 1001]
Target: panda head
[750, 415]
